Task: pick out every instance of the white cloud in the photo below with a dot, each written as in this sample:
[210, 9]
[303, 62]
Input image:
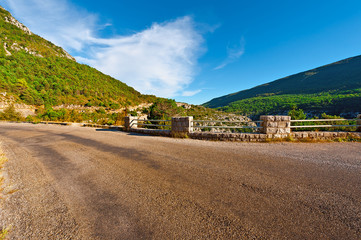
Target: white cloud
[233, 54]
[190, 93]
[160, 60]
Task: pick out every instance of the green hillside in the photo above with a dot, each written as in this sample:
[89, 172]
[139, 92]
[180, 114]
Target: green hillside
[36, 72]
[333, 88]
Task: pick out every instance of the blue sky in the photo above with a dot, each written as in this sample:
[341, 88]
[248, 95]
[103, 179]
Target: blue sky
[193, 51]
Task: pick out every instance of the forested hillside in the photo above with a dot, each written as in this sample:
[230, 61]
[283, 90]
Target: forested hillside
[333, 88]
[36, 72]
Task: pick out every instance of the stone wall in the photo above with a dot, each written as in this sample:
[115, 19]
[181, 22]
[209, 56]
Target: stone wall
[233, 137]
[182, 125]
[130, 122]
[323, 135]
[273, 128]
[276, 126]
[156, 132]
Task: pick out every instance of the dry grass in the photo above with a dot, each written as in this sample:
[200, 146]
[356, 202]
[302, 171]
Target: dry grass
[3, 160]
[3, 233]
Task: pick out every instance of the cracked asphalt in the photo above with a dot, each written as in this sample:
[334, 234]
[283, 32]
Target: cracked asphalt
[83, 183]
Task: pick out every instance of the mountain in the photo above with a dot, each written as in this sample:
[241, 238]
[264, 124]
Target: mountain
[34, 71]
[334, 88]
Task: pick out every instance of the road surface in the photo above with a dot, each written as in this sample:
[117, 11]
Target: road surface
[83, 183]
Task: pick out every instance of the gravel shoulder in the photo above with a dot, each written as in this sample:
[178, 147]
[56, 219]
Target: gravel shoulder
[83, 183]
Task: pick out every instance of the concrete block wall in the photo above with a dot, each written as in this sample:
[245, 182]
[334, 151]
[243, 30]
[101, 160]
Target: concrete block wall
[183, 125]
[276, 126]
[130, 122]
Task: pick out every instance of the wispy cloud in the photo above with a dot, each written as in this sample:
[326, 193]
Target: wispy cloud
[190, 93]
[233, 54]
[160, 60]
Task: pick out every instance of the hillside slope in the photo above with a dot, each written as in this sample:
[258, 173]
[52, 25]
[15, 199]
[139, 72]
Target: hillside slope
[36, 72]
[333, 88]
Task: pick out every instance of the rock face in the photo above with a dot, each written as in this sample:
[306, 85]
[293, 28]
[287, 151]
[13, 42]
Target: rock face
[67, 55]
[15, 22]
[15, 46]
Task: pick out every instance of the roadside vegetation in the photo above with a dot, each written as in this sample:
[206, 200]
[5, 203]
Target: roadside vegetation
[161, 109]
[3, 231]
[332, 102]
[298, 114]
[40, 73]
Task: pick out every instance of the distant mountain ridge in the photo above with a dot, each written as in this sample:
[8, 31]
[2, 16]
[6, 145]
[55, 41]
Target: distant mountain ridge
[36, 72]
[335, 79]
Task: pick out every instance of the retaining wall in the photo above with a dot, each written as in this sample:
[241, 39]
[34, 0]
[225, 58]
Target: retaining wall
[323, 135]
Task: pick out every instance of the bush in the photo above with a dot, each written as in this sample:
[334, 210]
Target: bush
[297, 114]
[165, 109]
[10, 114]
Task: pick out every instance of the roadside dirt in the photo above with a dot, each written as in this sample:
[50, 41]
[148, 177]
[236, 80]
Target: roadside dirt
[83, 183]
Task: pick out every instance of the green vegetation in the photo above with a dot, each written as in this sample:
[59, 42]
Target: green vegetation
[165, 109]
[99, 116]
[333, 88]
[333, 102]
[298, 114]
[54, 79]
[9, 114]
[3, 233]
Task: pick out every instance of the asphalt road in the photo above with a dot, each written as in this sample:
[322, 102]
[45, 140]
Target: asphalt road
[83, 183]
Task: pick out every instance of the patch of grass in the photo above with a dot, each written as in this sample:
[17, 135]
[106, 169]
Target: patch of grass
[179, 135]
[3, 160]
[4, 233]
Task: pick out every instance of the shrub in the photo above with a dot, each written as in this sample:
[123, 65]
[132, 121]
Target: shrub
[10, 114]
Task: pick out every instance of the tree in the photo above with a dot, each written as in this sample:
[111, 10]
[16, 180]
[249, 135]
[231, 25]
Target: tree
[297, 114]
[165, 109]
[10, 114]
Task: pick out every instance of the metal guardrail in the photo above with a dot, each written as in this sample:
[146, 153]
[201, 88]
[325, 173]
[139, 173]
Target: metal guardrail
[217, 121]
[197, 124]
[324, 120]
[323, 126]
[140, 122]
[248, 126]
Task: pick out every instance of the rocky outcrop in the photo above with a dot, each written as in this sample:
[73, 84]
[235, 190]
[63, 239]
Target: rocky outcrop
[18, 24]
[17, 47]
[67, 55]
[7, 53]
[10, 19]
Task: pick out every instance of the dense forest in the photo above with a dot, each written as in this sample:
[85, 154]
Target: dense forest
[36, 72]
[334, 88]
[332, 102]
